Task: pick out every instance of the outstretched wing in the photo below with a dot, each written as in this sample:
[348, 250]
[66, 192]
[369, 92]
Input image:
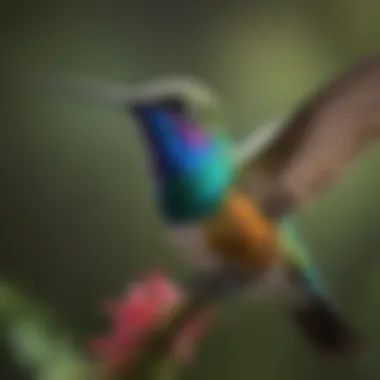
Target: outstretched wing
[257, 142]
[314, 145]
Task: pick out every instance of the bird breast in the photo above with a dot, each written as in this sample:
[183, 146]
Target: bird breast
[238, 235]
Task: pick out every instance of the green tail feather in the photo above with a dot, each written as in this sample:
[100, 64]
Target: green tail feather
[310, 304]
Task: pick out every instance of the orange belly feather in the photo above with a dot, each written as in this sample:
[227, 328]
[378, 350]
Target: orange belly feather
[242, 236]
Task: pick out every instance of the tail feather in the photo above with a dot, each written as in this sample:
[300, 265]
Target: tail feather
[326, 328]
[315, 314]
[309, 302]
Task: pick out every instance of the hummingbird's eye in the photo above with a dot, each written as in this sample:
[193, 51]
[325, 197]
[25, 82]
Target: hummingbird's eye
[171, 106]
[175, 106]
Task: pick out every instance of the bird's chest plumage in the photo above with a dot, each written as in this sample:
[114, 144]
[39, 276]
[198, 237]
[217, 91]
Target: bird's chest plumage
[241, 235]
[197, 186]
[238, 235]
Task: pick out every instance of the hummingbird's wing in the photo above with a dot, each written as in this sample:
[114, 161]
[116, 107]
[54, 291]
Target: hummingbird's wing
[301, 157]
[257, 142]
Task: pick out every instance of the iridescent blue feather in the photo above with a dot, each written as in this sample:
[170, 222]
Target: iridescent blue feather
[193, 169]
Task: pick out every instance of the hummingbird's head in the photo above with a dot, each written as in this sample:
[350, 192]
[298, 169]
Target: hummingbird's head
[174, 116]
[177, 117]
[191, 158]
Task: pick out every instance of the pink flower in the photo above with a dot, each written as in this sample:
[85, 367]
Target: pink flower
[144, 305]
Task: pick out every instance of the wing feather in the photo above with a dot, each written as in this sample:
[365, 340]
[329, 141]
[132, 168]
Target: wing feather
[257, 142]
[317, 142]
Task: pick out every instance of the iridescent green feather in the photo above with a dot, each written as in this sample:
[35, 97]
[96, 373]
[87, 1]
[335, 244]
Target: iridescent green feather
[297, 255]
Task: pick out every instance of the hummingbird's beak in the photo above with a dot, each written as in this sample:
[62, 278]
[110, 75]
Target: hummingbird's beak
[101, 92]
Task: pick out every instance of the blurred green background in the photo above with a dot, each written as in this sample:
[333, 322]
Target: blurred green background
[77, 218]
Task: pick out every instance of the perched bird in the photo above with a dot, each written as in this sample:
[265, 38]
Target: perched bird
[229, 202]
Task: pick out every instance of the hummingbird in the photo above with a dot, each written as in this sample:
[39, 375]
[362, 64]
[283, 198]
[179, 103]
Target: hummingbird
[230, 204]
